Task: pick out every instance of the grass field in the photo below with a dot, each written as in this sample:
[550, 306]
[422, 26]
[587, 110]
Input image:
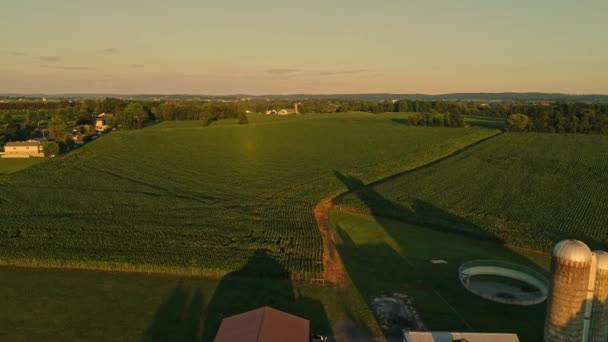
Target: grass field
[525, 189]
[11, 165]
[383, 256]
[179, 197]
[60, 305]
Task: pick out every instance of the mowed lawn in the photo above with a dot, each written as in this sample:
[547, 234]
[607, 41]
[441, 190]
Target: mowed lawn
[180, 197]
[60, 305]
[526, 189]
[11, 165]
[383, 256]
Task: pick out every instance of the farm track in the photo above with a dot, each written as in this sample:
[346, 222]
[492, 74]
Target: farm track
[333, 268]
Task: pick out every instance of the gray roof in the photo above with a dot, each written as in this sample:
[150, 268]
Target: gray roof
[23, 143]
[443, 336]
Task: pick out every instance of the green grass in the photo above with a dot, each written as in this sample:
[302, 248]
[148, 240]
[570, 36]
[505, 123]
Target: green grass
[383, 256]
[526, 189]
[60, 305]
[179, 197]
[11, 165]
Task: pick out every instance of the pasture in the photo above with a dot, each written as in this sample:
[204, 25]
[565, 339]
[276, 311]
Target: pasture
[178, 197]
[69, 305]
[525, 189]
[383, 256]
[11, 165]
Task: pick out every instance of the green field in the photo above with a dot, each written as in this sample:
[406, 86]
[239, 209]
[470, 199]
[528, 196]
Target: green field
[383, 256]
[60, 305]
[182, 198]
[11, 165]
[526, 189]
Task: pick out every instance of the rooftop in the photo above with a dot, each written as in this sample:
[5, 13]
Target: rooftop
[264, 324]
[444, 336]
[23, 143]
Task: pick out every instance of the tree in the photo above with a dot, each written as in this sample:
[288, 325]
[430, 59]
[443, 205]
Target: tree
[89, 130]
[133, 116]
[517, 122]
[243, 119]
[57, 129]
[50, 148]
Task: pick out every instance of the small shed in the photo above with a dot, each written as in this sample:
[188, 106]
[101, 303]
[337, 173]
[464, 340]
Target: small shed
[264, 324]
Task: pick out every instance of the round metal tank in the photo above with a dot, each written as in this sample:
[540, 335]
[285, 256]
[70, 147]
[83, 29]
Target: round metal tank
[598, 330]
[571, 263]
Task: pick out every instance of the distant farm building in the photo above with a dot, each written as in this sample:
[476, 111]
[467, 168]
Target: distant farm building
[264, 324]
[101, 124]
[78, 139]
[442, 336]
[23, 149]
[284, 111]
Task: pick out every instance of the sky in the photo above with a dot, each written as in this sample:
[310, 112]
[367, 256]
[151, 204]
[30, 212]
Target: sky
[312, 46]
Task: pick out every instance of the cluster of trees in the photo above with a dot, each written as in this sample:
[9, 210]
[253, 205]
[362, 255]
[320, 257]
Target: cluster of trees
[583, 121]
[435, 119]
[207, 111]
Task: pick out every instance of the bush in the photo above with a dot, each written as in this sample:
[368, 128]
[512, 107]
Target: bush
[243, 119]
[518, 122]
[50, 148]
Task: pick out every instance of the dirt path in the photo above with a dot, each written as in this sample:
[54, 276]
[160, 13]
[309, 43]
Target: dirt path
[333, 267]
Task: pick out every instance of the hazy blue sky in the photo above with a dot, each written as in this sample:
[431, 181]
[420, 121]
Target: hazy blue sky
[312, 46]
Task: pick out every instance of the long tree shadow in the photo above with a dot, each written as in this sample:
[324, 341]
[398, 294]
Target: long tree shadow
[179, 318]
[405, 262]
[263, 281]
[421, 212]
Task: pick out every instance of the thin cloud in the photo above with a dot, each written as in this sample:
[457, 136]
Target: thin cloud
[281, 71]
[65, 67]
[343, 72]
[110, 50]
[48, 59]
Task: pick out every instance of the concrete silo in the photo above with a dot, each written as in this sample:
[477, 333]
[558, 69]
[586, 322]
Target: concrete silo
[571, 265]
[598, 328]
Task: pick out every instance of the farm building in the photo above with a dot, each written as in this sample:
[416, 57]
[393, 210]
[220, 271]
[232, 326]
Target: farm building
[22, 149]
[101, 124]
[284, 111]
[264, 324]
[442, 336]
[78, 139]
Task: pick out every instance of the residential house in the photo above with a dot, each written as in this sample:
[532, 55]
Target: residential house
[101, 123]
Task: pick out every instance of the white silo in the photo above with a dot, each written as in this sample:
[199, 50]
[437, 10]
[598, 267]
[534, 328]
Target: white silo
[571, 265]
[598, 328]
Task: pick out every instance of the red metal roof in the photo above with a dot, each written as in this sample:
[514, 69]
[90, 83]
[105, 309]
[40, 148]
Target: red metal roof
[264, 325]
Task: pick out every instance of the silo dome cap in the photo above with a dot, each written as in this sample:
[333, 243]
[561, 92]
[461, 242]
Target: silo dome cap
[572, 250]
[602, 260]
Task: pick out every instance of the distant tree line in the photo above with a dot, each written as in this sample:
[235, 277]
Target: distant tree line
[34, 105]
[583, 121]
[434, 119]
[21, 120]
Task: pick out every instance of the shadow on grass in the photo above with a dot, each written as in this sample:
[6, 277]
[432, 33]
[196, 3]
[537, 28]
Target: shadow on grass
[179, 318]
[398, 259]
[261, 282]
[421, 212]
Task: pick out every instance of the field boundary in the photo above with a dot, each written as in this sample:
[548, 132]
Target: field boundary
[147, 269]
[333, 267]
